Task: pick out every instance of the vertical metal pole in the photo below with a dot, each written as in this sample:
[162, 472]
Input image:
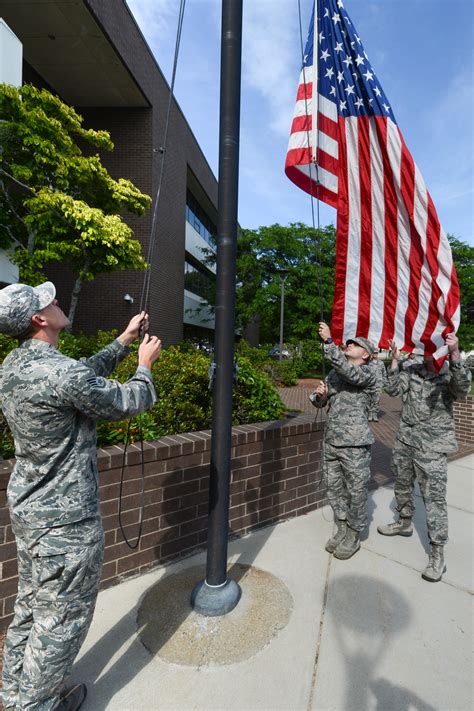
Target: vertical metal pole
[282, 313]
[214, 596]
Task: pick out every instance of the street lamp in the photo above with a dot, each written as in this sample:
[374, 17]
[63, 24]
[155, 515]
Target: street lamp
[283, 274]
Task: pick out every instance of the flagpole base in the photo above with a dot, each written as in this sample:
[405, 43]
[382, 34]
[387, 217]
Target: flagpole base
[215, 601]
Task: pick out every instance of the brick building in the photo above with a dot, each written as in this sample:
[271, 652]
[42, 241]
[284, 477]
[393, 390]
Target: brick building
[93, 55]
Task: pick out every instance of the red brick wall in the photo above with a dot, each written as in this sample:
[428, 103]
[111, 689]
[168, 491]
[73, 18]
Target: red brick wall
[276, 474]
[464, 420]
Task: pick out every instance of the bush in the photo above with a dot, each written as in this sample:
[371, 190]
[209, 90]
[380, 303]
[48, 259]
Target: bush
[184, 401]
[283, 372]
[309, 358]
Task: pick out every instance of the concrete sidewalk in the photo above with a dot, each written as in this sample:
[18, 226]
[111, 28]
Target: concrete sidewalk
[367, 633]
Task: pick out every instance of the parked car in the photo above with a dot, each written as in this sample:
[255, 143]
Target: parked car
[275, 353]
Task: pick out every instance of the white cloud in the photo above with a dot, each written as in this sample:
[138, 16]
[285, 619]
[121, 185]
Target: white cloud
[154, 16]
[271, 58]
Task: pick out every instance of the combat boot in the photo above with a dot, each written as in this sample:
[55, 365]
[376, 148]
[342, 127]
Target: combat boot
[341, 531]
[436, 567]
[72, 699]
[402, 527]
[349, 545]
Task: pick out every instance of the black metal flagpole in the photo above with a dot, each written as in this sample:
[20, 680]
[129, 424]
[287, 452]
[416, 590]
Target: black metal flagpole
[218, 594]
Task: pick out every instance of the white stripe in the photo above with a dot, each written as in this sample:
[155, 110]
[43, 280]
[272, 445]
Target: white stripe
[327, 179]
[299, 139]
[377, 292]
[445, 264]
[351, 299]
[303, 107]
[328, 108]
[421, 222]
[394, 148]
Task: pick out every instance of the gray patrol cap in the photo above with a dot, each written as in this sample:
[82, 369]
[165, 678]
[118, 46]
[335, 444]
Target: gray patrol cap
[19, 302]
[364, 343]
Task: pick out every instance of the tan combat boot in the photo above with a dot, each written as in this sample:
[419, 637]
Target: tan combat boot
[341, 531]
[402, 527]
[349, 545]
[436, 567]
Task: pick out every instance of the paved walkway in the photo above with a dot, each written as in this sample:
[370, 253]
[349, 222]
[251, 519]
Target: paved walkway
[364, 634]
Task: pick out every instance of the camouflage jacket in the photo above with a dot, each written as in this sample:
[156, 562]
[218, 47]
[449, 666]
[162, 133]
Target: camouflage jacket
[350, 392]
[380, 373]
[427, 404]
[51, 403]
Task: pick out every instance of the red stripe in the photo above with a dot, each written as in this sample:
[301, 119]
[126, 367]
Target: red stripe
[301, 94]
[326, 125]
[301, 123]
[432, 245]
[365, 192]
[305, 123]
[328, 162]
[416, 255]
[317, 191]
[298, 156]
[453, 300]
[303, 156]
[342, 234]
[391, 237]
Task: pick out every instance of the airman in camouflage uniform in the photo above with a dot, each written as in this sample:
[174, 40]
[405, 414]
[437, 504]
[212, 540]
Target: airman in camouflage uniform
[347, 390]
[424, 439]
[381, 379]
[51, 403]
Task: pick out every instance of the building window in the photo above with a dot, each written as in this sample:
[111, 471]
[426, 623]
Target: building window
[198, 219]
[198, 281]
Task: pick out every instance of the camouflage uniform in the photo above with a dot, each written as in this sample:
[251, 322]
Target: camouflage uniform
[425, 437]
[51, 403]
[348, 437]
[381, 379]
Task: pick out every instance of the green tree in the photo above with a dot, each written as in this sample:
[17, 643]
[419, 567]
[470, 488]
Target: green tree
[56, 203]
[463, 257]
[308, 255]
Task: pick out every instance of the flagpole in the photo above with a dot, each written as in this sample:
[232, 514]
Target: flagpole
[315, 103]
[218, 594]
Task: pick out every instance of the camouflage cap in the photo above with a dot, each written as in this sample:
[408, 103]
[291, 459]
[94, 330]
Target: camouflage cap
[364, 343]
[19, 302]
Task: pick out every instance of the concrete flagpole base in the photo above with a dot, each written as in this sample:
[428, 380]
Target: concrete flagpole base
[213, 601]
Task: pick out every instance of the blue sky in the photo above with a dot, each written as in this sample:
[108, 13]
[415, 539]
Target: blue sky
[421, 51]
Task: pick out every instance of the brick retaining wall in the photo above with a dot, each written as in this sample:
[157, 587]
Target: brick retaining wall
[464, 420]
[275, 475]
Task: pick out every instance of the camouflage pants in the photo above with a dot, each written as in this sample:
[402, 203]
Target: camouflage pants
[59, 573]
[431, 471]
[347, 471]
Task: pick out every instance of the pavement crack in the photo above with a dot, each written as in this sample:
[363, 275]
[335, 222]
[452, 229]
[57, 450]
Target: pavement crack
[320, 634]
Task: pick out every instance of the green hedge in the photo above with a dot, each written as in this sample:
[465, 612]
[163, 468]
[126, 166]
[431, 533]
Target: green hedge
[184, 401]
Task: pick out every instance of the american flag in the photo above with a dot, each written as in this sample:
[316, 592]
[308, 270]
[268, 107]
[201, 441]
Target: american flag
[395, 277]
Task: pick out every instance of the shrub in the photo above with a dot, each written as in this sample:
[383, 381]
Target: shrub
[283, 372]
[184, 401]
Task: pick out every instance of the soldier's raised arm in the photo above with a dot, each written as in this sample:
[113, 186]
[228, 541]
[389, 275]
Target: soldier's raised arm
[460, 382]
[107, 359]
[97, 397]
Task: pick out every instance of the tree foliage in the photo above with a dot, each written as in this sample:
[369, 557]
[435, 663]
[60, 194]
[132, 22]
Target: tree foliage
[463, 257]
[58, 204]
[308, 255]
